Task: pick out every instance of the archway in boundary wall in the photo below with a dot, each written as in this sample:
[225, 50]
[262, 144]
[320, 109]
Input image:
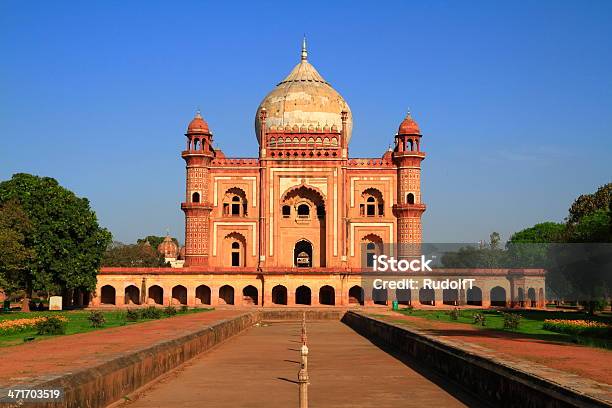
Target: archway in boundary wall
[356, 295]
[250, 295]
[107, 295]
[179, 295]
[498, 296]
[327, 296]
[427, 297]
[474, 296]
[226, 295]
[303, 295]
[450, 297]
[203, 294]
[279, 295]
[132, 295]
[380, 296]
[531, 294]
[403, 296]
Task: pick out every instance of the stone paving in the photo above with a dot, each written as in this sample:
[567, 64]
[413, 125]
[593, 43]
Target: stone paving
[259, 369]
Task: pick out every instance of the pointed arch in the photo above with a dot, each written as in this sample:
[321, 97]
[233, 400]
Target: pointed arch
[235, 203]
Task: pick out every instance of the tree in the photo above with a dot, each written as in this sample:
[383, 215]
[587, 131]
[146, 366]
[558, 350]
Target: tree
[134, 255]
[545, 232]
[65, 236]
[15, 259]
[486, 255]
[494, 239]
[589, 203]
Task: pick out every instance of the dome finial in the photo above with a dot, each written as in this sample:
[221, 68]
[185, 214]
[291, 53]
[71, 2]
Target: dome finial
[304, 50]
[198, 113]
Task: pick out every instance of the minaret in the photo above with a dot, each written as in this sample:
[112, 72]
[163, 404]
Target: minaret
[409, 208]
[197, 206]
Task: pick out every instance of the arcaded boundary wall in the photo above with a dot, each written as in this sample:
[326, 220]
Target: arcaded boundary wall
[97, 387]
[500, 385]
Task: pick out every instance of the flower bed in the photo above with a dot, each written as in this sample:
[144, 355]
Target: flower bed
[578, 327]
[17, 325]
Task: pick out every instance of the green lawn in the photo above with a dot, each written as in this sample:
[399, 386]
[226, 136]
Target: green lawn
[530, 324]
[77, 323]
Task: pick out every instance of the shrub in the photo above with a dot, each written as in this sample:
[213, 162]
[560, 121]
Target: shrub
[578, 327]
[151, 312]
[454, 314]
[480, 319]
[170, 311]
[132, 315]
[184, 309]
[96, 318]
[51, 325]
[511, 320]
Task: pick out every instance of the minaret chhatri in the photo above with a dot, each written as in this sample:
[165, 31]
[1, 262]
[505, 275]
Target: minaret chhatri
[197, 205]
[409, 208]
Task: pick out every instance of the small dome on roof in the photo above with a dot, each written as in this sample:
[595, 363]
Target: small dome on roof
[409, 126]
[168, 248]
[198, 124]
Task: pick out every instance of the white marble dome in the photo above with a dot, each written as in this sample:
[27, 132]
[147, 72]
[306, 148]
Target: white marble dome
[304, 98]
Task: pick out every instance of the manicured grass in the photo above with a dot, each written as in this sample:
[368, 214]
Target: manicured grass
[530, 324]
[77, 323]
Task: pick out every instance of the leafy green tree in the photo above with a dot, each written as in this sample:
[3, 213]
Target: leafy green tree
[589, 203]
[15, 259]
[545, 232]
[486, 255]
[134, 255]
[65, 237]
[494, 240]
[593, 227]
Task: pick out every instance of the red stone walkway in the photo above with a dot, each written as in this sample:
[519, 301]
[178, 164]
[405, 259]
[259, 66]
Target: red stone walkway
[259, 368]
[69, 353]
[588, 362]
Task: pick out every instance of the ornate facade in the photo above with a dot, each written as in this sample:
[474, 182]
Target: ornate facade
[303, 202]
[295, 224]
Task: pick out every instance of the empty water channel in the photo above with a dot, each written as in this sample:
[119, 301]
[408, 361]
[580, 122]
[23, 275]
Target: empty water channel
[259, 368]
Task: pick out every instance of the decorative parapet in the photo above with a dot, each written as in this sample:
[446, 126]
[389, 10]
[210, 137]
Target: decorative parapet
[370, 162]
[233, 162]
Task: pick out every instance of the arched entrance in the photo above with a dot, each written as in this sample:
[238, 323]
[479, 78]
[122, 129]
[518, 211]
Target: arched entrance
[498, 296]
[403, 296]
[156, 295]
[226, 295]
[302, 254]
[249, 295]
[203, 294]
[279, 295]
[379, 296]
[531, 294]
[356, 295]
[450, 297]
[427, 297]
[179, 295]
[474, 296]
[107, 295]
[327, 295]
[303, 296]
[132, 295]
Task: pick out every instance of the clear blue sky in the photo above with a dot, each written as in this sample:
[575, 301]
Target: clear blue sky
[514, 98]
